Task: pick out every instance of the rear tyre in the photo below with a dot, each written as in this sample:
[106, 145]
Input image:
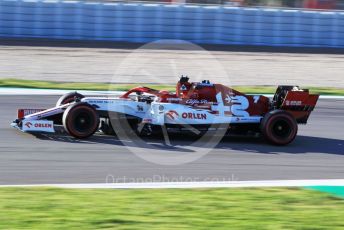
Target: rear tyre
[279, 127]
[68, 98]
[80, 120]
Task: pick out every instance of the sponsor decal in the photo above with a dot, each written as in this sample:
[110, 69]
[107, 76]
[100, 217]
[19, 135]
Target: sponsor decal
[249, 119]
[139, 108]
[161, 108]
[28, 124]
[31, 111]
[207, 83]
[194, 116]
[172, 114]
[183, 88]
[173, 99]
[196, 101]
[238, 105]
[147, 120]
[25, 112]
[109, 101]
[293, 103]
[234, 106]
[39, 125]
[256, 99]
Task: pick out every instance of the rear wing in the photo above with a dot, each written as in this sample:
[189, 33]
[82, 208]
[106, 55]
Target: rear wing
[299, 102]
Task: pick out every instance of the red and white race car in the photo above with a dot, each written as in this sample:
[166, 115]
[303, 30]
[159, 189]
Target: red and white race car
[195, 106]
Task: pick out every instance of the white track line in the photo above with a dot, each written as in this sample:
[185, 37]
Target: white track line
[203, 184]
[23, 91]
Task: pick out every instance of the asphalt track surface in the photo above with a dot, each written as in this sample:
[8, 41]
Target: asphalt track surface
[317, 153]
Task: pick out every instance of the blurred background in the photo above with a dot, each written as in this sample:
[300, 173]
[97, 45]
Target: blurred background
[310, 4]
[275, 27]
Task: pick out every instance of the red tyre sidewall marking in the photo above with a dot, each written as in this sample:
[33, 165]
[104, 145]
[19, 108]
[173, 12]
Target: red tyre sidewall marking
[71, 118]
[268, 129]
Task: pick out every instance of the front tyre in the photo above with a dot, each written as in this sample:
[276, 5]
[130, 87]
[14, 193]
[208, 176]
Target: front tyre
[69, 98]
[279, 127]
[80, 120]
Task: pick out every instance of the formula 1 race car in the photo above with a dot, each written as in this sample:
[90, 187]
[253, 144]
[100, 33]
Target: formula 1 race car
[195, 105]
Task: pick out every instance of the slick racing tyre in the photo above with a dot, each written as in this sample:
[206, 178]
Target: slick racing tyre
[279, 127]
[80, 120]
[68, 98]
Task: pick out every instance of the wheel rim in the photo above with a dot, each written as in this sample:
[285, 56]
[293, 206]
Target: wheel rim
[281, 129]
[83, 122]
